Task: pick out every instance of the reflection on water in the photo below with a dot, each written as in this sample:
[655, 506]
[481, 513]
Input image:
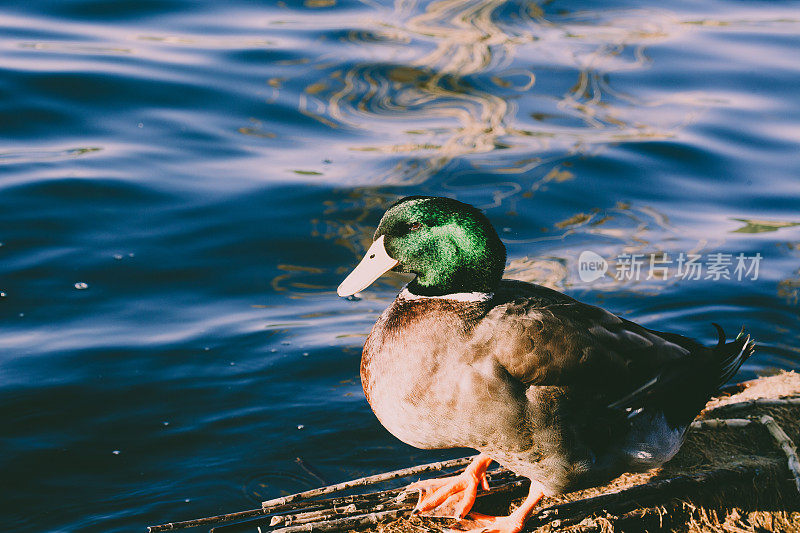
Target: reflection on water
[610, 232]
[789, 289]
[760, 226]
[473, 80]
[18, 157]
[466, 66]
[455, 94]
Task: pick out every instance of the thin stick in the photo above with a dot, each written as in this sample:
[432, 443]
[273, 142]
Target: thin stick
[360, 482]
[343, 523]
[786, 445]
[254, 513]
[241, 515]
[315, 516]
[293, 501]
[716, 423]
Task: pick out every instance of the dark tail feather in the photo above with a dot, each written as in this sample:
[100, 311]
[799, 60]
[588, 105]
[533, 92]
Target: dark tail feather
[697, 383]
[733, 354]
[726, 358]
[720, 334]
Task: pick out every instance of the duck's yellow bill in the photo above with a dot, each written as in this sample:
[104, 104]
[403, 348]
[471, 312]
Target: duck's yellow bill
[376, 261]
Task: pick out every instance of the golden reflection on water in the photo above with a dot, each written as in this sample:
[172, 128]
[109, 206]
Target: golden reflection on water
[457, 97]
[611, 232]
[452, 88]
[458, 93]
[762, 226]
[445, 115]
[38, 154]
[789, 288]
[621, 229]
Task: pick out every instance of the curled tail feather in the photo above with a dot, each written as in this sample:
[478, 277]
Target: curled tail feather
[733, 354]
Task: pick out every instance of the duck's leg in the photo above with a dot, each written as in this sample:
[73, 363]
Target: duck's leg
[452, 497]
[513, 523]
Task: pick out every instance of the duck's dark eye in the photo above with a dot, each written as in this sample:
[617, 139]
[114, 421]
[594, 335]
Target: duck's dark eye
[414, 226]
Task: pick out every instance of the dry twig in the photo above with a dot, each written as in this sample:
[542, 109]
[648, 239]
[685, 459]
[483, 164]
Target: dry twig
[302, 499]
[343, 523]
[369, 480]
[716, 423]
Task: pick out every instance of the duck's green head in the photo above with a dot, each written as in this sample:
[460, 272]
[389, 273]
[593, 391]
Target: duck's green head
[449, 245]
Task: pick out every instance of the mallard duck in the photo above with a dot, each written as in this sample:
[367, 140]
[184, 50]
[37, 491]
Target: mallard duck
[558, 391]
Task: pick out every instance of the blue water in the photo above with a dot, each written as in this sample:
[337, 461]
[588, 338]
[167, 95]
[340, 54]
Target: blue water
[183, 185]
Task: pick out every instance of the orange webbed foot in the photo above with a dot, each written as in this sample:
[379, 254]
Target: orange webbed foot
[513, 523]
[452, 497]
